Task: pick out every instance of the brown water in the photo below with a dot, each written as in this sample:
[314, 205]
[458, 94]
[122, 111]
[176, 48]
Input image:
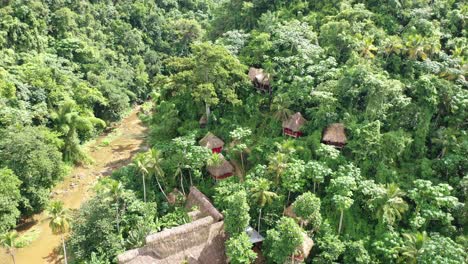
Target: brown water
[108, 153]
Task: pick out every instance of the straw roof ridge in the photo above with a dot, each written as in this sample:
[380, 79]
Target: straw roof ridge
[179, 230]
[220, 170]
[295, 122]
[198, 198]
[211, 141]
[259, 76]
[306, 246]
[335, 134]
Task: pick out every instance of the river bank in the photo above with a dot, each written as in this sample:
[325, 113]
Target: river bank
[108, 152]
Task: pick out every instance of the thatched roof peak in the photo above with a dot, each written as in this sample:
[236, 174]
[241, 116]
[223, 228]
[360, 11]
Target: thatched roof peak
[294, 122]
[219, 170]
[211, 141]
[335, 134]
[259, 76]
[197, 198]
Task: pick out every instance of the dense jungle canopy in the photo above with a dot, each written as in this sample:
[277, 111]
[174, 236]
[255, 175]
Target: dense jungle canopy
[391, 73]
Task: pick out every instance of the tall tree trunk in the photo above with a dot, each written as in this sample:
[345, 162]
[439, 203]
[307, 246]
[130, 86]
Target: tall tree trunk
[182, 182]
[64, 249]
[13, 257]
[208, 112]
[259, 217]
[160, 187]
[190, 176]
[144, 187]
[314, 186]
[242, 162]
[341, 222]
[117, 217]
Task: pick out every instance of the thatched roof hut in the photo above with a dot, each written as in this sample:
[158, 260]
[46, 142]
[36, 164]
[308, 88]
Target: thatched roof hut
[212, 142]
[197, 198]
[259, 78]
[203, 121]
[335, 135]
[292, 126]
[175, 196]
[222, 171]
[305, 248]
[201, 241]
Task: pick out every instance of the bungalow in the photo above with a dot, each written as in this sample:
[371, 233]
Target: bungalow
[292, 126]
[335, 135]
[203, 121]
[212, 142]
[202, 240]
[221, 171]
[260, 79]
[303, 251]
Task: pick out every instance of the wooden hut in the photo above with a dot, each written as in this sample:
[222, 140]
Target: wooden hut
[203, 121]
[292, 126]
[200, 241]
[260, 79]
[304, 249]
[222, 171]
[212, 142]
[335, 135]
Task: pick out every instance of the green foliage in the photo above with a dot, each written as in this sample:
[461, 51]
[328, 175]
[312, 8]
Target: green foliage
[33, 155]
[97, 227]
[238, 249]
[283, 241]
[9, 199]
[236, 214]
[307, 207]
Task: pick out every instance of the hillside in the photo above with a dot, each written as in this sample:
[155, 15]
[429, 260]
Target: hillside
[341, 121]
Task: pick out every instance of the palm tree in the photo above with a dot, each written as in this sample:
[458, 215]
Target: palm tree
[393, 206]
[280, 108]
[262, 195]
[412, 247]
[278, 164]
[154, 164]
[11, 241]
[68, 120]
[112, 191]
[140, 163]
[59, 222]
[368, 48]
[393, 45]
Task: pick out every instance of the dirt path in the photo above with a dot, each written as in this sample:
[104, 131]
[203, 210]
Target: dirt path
[108, 152]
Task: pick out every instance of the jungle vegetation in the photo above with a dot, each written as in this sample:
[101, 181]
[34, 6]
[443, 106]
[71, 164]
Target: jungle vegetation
[393, 72]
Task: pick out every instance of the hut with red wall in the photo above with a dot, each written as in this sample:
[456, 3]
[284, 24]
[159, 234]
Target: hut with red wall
[335, 135]
[292, 126]
[212, 142]
[223, 170]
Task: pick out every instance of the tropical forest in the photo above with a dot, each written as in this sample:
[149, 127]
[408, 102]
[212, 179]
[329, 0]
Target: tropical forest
[231, 131]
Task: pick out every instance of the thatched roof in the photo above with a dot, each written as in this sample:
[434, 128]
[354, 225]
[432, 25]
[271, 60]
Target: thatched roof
[289, 211]
[306, 246]
[220, 170]
[211, 141]
[259, 76]
[199, 242]
[203, 120]
[334, 134]
[294, 122]
[197, 198]
[173, 196]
